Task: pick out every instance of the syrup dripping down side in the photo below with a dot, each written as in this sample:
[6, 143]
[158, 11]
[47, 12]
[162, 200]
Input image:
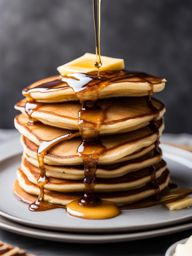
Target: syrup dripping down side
[90, 206]
[40, 204]
[91, 117]
[30, 107]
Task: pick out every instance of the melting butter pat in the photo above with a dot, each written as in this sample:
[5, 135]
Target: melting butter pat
[180, 204]
[86, 63]
[184, 249]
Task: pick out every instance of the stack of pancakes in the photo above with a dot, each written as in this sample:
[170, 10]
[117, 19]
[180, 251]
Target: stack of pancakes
[129, 170]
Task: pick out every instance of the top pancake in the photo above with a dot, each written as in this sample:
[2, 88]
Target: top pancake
[110, 84]
[121, 115]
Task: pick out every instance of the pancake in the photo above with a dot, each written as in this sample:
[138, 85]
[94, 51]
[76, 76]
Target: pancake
[66, 152]
[121, 115]
[135, 155]
[26, 190]
[129, 181]
[37, 132]
[111, 171]
[116, 84]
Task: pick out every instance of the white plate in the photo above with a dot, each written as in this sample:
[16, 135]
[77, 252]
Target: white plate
[17, 228]
[57, 219]
[172, 248]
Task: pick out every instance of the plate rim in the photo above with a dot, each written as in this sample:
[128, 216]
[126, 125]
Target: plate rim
[88, 238]
[17, 150]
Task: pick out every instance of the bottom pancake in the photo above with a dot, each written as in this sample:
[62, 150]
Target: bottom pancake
[27, 191]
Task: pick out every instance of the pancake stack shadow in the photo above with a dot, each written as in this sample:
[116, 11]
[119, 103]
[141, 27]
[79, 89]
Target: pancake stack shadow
[130, 169]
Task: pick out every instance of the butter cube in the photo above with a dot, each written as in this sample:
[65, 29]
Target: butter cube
[86, 63]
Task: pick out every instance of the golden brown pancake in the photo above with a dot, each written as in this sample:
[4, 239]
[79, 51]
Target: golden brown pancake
[120, 198]
[66, 153]
[111, 171]
[133, 86]
[121, 115]
[129, 181]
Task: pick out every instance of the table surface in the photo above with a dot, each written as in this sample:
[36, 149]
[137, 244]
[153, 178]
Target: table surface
[147, 247]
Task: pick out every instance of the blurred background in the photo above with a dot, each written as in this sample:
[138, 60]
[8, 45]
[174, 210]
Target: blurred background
[154, 36]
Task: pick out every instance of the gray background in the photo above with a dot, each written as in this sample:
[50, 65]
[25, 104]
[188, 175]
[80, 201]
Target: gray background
[152, 35]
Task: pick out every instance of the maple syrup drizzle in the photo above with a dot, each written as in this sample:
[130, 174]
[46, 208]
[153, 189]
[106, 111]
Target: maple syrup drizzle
[91, 117]
[91, 148]
[45, 146]
[97, 26]
[90, 206]
[30, 107]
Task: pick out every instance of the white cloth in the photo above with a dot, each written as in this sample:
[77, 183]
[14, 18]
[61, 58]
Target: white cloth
[180, 139]
[7, 134]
